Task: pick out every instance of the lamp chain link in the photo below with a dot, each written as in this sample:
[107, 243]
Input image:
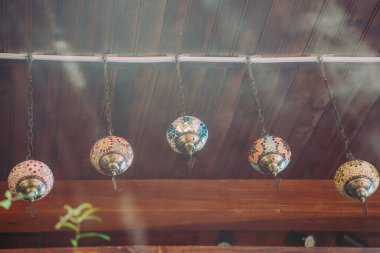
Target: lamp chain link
[256, 97]
[338, 120]
[29, 133]
[179, 82]
[107, 102]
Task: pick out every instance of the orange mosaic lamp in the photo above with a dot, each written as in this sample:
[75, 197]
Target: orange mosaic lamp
[269, 155]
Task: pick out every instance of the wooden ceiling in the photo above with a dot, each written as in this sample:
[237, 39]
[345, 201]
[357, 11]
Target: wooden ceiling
[68, 97]
[68, 112]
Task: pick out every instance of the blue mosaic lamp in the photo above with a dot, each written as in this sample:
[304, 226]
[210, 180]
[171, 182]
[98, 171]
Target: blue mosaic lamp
[187, 135]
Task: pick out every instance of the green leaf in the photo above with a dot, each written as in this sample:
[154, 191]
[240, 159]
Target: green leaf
[74, 242]
[71, 226]
[94, 217]
[73, 220]
[94, 234]
[8, 195]
[68, 208]
[6, 203]
[86, 214]
[77, 211]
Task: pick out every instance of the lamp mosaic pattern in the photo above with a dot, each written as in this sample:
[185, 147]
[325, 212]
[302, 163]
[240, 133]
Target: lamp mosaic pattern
[269, 145]
[111, 145]
[356, 169]
[187, 135]
[31, 169]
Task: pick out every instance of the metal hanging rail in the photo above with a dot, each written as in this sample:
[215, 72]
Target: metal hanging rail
[187, 58]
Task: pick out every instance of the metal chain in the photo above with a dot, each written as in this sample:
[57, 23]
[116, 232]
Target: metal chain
[256, 97]
[338, 120]
[107, 102]
[29, 133]
[179, 82]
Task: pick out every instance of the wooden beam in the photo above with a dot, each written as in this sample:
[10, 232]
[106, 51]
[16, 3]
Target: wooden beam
[200, 249]
[309, 205]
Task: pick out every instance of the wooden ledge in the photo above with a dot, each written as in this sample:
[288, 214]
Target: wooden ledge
[310, 205]
[199, 249]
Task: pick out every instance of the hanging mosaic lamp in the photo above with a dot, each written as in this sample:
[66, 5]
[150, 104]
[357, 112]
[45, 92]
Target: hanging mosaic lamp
[33, 179]
[187, 134]
[111, 155]
[355, 179]
[269, 155]
[30, 180]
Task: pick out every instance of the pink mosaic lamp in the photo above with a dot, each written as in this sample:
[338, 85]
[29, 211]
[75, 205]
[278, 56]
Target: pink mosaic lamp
[30, 179]
[111, 155]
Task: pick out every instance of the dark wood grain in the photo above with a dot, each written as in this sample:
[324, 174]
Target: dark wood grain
[227, 27]
[69, 27]
[6, 75]
[275, 28]
[98, 32]
[44, 26]
[18, 26]
[204, 249]
[251, 27]
[207, 205]
[174, 26]
[354, 27]
[199, 26]
[3, 26]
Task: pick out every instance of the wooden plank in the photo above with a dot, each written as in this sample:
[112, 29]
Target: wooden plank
[126, 26]
[329, 24]
[47, 88]
[201, 21]
[44, 25]
[152, 238]
[99, 17]
[18, 26]
[354, 27]
[69, 27]
[300, 27]
[3, 26]
[6, 79]
[369, 44]
[252, 26]
[226, 28]
[79, 109]
[204, 249]
[310, 205]
[174, 25]
[276, 27]
[148, 38]
[19, 112]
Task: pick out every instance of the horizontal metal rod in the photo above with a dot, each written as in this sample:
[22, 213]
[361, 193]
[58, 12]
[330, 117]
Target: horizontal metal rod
[187, 58]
